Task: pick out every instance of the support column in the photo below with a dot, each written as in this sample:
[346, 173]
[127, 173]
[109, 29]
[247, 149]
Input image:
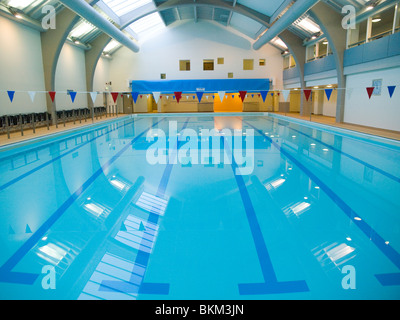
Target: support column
[92, 57]
[298, 51]
[330, 23]
[52, 43]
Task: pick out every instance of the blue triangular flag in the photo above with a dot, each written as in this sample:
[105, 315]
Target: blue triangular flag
[135, 95]
[27, 229]
[141, 227]
[72, 95]
[199, 95]
[11, 95]
[264, 95]
[328, 93]
[391, 90]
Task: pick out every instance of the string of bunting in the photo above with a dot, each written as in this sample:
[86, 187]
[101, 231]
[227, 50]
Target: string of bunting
[199, 94]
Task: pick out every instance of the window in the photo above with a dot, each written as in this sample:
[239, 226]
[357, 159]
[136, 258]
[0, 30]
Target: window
[208, 65]
[382, 24]
[163, 76]
[184, 65]
[262, 62]
[311, 52]
[357, 36]
[248, 64]
[221, 61]
[323, 48]
[230, 75]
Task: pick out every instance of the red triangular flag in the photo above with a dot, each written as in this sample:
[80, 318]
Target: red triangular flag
[178, 96]
[370, 91]
[307, 93]
[242, 95]
[52, 95]
[115, 96]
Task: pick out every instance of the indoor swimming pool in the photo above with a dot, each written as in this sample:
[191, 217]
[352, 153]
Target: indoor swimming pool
[275, 208]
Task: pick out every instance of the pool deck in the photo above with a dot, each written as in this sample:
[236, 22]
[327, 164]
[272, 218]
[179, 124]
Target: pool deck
[42, 131]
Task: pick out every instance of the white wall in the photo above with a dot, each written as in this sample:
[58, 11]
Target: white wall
[101, 77]
[71, 75]
[379, 111]
[21, 68]
[194, 42]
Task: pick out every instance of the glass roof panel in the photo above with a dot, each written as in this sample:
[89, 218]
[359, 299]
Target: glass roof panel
[121, 7]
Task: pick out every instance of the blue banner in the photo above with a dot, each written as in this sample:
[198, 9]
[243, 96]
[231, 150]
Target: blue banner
[202, 85]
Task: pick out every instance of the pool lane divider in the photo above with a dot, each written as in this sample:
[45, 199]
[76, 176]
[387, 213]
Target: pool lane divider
[143, 257]
[6, 273]
[26, 174]
[271, 285]
[385, 279]
[386, 174]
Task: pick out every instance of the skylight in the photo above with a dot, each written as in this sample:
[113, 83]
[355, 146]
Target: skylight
[20, 4]
[82, 29]
[148, 25]
[278, 42]
[111, 46]
[308, 25]
[121, 7]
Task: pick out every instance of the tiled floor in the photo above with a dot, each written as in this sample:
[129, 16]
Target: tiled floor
[28, 134]
[332, 122]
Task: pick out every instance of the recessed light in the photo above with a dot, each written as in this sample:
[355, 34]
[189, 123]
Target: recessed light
[369, 8]
[376, 20]
[18, 16]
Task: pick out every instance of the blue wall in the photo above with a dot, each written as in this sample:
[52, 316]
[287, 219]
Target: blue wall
[320, 65]
[375, 50]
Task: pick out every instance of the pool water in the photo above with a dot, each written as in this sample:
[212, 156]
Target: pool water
[85, 215]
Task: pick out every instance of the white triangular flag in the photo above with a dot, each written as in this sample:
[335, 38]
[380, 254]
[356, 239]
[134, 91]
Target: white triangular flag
[285, 94]
[93, 95]
[156, 96]
[32, 95]
[221, 95]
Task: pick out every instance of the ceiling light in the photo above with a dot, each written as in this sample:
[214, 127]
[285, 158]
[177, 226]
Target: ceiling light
[376, 20]
[18, 16]
[369, 8]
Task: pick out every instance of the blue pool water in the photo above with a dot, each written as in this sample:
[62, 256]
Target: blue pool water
[84, 215]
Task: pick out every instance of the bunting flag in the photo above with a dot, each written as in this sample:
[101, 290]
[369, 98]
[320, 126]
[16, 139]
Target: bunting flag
[52, 95]
[199, 95]
[156, 96]
[221, 95]
[328, 93]
[178, 96]
[114, 96]
[264, 95]
[370, 91]
[11, 95]
[242, 95]
[72, 95]
[135, 96]
[391, 90]
[93, 96]
[285, 94]
[307, 93]
[32, 95]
